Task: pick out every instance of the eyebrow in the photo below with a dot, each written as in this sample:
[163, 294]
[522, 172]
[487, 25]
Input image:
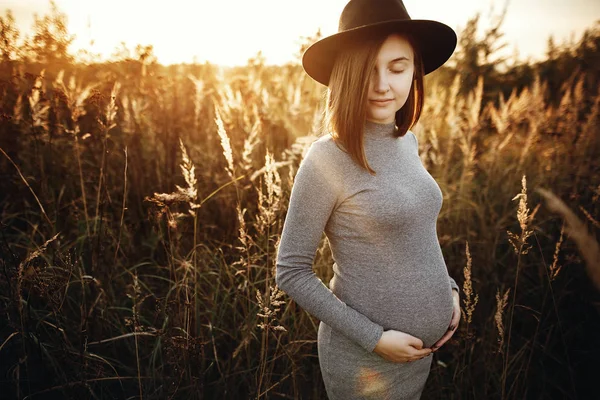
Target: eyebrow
[395, 60]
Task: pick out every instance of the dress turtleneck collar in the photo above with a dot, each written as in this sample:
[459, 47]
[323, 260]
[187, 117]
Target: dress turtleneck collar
[375, 130]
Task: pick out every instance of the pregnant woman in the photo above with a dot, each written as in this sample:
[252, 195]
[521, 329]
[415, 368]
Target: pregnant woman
[391, 302]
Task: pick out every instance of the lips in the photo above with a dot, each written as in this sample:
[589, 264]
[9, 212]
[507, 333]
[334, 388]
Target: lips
[382, 102]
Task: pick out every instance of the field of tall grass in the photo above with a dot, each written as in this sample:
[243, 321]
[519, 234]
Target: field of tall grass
[141, 209]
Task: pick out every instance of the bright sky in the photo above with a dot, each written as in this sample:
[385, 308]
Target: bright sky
[228, 32]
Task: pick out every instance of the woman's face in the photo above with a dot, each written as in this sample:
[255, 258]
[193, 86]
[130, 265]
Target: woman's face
[391, 80]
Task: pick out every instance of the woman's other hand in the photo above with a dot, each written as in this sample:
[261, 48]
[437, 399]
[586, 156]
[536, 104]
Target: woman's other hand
[400, 347]
[453, 323]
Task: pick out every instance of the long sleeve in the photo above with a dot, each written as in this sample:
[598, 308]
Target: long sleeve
[315, 193]
[453, 284]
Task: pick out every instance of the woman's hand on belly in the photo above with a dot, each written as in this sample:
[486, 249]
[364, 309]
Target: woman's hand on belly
[453, 322]
[400, 347]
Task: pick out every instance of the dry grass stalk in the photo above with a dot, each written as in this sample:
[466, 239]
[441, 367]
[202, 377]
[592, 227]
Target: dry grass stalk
[28, 186]
[531, 138]
[198, 98]
[107, 125]
[455, 103]
[268, 309]
[135, 297]
[501, 303]
[123, 208]
[229, 101]
[590, 128]
[435, 155]
[225, 143]
[555, 268]
[75, 99]
[596, 191]
[188, 171]
[243, 264]
[18, 109]
[22, 274]
[243, 232]
[576, 229]
[268, 203]
[250, 143]
[276, 165]
[188, 194]
[474, 108]
[111, 108]
[519, 242]
[500, 116]
[469, 301]
[590, 217]
[8, 339]
[466, 144]
[36, 253]
[511, 112]
[39, 111]
[570, 106]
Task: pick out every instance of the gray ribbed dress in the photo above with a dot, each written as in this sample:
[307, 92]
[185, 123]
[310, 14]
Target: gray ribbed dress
[389, 271]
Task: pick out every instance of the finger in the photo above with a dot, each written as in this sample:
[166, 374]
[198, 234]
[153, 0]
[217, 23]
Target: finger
[443, 340]
[453, 318]
[454, 324]
[415, 342]
[420, 353]
[454, 321]
[422, 357]
[456, 317]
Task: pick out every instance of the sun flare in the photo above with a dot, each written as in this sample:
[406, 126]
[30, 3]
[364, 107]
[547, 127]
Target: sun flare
[229, 32]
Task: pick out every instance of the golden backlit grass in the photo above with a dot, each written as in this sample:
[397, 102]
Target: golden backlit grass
[146, 265]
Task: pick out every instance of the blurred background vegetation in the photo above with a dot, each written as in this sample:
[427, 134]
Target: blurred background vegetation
[141, 206]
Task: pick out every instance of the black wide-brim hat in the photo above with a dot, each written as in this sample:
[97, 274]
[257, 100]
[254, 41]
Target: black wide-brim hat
[436, 41]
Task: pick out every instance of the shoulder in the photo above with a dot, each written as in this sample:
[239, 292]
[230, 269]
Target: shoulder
[323, 164]
[413, 138]
[324, 150]
[325, 145]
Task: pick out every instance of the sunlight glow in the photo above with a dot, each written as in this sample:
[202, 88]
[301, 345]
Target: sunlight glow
[229, 32]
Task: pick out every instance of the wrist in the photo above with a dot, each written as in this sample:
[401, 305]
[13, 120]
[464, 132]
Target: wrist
[378, 337]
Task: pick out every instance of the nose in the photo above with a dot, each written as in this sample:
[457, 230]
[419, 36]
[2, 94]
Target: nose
[381, 84]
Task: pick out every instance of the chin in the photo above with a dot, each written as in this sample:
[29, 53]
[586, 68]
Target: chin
[381, 119]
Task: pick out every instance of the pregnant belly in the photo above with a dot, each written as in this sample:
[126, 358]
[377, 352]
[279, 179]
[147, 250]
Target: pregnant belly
[419, 307]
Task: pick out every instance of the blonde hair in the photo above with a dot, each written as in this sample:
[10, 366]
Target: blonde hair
[348, 90]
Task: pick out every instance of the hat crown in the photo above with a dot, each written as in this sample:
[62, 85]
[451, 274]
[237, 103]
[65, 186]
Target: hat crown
[366, 12]
[365, 18]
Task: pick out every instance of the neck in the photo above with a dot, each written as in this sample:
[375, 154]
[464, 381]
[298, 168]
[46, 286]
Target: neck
[378, 130]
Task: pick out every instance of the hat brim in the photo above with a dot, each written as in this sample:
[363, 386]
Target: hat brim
[436, 42]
